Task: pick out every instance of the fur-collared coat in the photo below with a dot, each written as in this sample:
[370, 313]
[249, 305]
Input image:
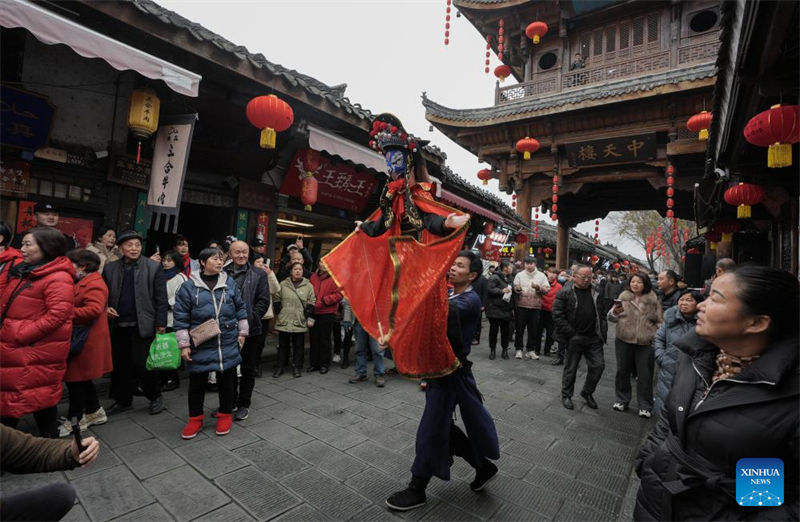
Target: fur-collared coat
[638, 322]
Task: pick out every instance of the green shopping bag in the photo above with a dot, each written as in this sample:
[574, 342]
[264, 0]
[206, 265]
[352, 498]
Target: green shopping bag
[164, 353]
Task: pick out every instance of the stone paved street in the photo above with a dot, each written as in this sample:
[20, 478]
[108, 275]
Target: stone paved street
[317, 448]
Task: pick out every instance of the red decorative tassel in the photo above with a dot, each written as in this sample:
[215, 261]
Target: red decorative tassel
[139, 153]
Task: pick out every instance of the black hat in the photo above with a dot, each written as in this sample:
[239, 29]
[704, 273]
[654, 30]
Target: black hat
[258, 242]
[45, 207]
[127, 235]
[529, 259]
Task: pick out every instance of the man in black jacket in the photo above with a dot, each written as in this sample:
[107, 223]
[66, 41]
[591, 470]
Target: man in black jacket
[668, 291]
[255, 291]
[578, 321]
[137, 308]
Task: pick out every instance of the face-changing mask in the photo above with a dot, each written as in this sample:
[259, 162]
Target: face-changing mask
[397, 161]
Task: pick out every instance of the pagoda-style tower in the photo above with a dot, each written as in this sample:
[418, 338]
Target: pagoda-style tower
[607, 92]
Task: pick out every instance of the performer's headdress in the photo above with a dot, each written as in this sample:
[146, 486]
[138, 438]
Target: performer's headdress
[388, 133]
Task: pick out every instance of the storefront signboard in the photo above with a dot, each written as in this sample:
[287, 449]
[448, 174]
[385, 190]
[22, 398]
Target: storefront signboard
[241, 224]
[612, 150]
[262, 226]
[15, 177]
[340, 185]
[25, 118]
[125, 171]
[80, 230]
[256, 195]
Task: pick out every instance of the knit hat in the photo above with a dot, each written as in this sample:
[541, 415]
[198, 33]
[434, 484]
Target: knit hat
[127, 235]
[530, 259]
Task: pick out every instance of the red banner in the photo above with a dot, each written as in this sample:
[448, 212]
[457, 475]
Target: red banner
[340, 185]
[80, 230]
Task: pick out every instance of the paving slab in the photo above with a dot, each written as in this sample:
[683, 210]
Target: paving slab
[106, 459]
[326, 494]
[302, 513]
[168, 431]
[152, 513]
[261, 496]
[280, 434]
[272, 460]
[111, 493]
[378, 433]
[120, 433]
[336, 414]
[185, 493]
[332, 461]
[149, 457]
[480, 505]
[337, 437]
[391, 463]
[290, 415]
[377, 487]
[210, 459]
[228, 513]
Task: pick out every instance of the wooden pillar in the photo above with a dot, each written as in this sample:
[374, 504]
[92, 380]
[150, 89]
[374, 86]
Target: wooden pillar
[562, 247]
[524, 211]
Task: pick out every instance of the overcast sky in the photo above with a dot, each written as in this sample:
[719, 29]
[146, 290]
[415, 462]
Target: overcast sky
[387, 52]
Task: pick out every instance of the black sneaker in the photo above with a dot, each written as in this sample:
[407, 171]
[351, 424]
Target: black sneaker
[157, 405]
[558, 362]
[242, 412]
[483, 476]
[406, 500]
[118, 408]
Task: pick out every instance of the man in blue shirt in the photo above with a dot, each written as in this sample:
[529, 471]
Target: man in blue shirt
[438, 438]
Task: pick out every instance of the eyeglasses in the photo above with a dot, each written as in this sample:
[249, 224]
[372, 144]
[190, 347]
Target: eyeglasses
[578, 276]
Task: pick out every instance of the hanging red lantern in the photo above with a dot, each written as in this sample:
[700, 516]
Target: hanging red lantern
[488, 52]
[693, 251]
[513, 204]
[670, 192]
[488, 228]
[270, 114]
[777, 128]
[626, 262]
[670, 213]
[502, 71]
[713, 237]
[727, 227]
[521, 239]
[555, 198]
[548, 252]
[447, 24]
[536, 30]
[527, 146]
[595, 259]
[485, 175]
[670, 203]
[311, 161]
[554, 209]
[487, 244]
[554, 217]
[308, 191]
[514, 196]
[700, 122]
[743, 196]
[616, 266]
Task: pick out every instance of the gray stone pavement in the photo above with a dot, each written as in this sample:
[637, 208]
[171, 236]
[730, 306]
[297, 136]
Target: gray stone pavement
[318, 448]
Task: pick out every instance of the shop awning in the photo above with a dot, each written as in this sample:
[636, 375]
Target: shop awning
[51, 29]
[458, 200]
[345, 149]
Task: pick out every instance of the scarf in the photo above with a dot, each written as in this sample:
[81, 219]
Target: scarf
[187, 265]
[730, 365]
[170, 273]
[23, 270]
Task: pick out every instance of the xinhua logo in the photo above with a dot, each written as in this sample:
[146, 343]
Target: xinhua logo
[759, 482]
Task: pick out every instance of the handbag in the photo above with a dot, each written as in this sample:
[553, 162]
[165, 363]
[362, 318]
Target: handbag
[164, 353]
[80, 333]
[208, 329]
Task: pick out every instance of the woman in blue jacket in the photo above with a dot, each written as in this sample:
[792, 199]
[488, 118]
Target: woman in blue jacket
[210, 296]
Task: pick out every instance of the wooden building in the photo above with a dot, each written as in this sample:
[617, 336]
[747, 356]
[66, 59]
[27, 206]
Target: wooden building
[606, 92]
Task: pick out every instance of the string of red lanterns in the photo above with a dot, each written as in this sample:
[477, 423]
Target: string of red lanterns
[488, 52]
[500, 40]
[447, 24]
[554, 207]
[513, 201]
[596, 231]
[536, 224]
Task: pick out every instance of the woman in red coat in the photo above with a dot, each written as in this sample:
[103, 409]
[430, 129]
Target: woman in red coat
[36, 303]
[94, 359]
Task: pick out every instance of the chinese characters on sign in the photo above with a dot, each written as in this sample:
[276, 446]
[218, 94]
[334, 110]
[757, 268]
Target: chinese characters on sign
[340, 185]
[125, 171]
[14, 178]
[256, 195]
[612, 150]
[25, 118]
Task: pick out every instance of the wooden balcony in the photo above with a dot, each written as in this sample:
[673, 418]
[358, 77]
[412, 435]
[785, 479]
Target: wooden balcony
[595, 75]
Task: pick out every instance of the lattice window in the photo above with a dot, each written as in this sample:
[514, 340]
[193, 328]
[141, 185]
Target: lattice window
[652, 27]
[624, 35]
[598, 43]
[585, 40]
[611, 39]
[638, 32]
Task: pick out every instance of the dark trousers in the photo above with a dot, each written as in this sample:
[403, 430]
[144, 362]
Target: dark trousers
[50, 503]
[129, 352]
[46, 420]
[294, 342]
[336, 329]
[502, 326]
[545, 326]
[82, 398]
[247, 381]
[642, 358]
[477, 336]
[320, 353]
[526, 318]
[226, 387]
[262, 340]
[591, 348]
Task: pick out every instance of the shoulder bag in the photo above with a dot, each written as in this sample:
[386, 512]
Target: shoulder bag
[208, 329]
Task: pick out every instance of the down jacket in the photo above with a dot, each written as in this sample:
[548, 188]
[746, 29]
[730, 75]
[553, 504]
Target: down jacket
[91, 296]
[675, 326]
[255, 292]
[688, 464]
[638, 322]
[564, 308]
[292, 305]
[327, 292]
[549, 298]
[35, 337]
[8, 258]
[195, 304]
[527, 297]
[496, 306]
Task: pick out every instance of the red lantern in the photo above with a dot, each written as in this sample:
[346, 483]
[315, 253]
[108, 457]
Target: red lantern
[514, 196]
[548, 252]
[595, 259]
[713, 237]
[727, 227]
[554, 217]
[626, 262]
[487, 244]
[670, 181]
[670, 169]
[447, 24]
[555, 198]
[670, 192]
[700, 123]
[502, 71]
[616, 266]
[670, 203]
[488, 228]
[271, 115]
[311, 161]
[743, 196]
[308, 191]
[670, 213]
[536, 30]
[554, 209]
[485, 175]
[777, 128]
[521, 239]
[527, 146]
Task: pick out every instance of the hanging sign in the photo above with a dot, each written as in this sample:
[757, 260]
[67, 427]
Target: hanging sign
[25, 118]
[256, 195]
[262, 226]
[170, 158]
[15, 178]
[339, 185]
[125, 171]
[612, 150]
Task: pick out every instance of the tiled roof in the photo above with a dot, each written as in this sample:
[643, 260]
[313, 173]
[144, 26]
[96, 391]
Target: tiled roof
[334, 94]
[527, 107]
[495, 203]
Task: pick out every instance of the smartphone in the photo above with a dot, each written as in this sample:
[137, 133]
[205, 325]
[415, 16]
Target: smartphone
[617, 302]
[158, 250]
[76, 432]
[267, 263]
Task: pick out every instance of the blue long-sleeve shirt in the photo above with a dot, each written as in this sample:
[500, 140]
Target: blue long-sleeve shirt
[469, 312]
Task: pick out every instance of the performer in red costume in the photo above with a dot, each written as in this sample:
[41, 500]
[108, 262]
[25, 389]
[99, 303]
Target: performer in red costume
[392, 268]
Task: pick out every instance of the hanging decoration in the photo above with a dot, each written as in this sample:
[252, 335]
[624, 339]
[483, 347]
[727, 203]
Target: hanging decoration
[777, 128]
[500, 40]
[536, 225]
[488, 228]
[485, 175]
[527, 146]
[727, 227]
[596, 231]
[548, 252]
[536, 30]
[744, 196]
[595, 259]
[447, 24]
[670, 191]
[502, 72]
[143, 111]
[488, 52]
[700, 123]
[270, 114]
[713, 237]
[309, 185]
[554, 209]
[521, 239]
[616, 266]
[487, 244]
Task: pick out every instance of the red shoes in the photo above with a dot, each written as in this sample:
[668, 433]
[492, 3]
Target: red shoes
[224, 422]
[193, 427]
